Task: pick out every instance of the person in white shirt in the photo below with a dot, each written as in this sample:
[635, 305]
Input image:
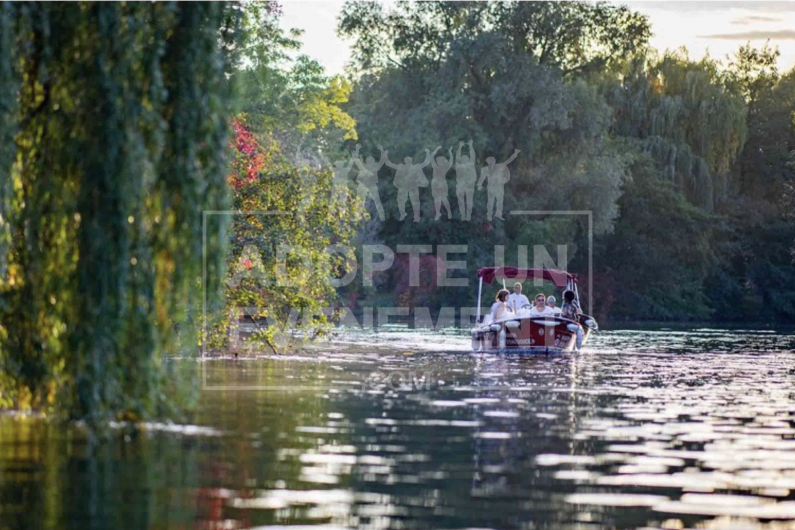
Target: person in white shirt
[541, 309]
[500, 309]
[551, 304]
[517, 300]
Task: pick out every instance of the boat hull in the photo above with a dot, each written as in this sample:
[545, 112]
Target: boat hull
[528, 335]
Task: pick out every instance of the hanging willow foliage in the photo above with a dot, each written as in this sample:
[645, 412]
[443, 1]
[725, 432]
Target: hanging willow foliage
[687, 119]
[115, 116]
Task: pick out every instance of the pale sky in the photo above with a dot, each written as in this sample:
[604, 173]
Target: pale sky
[717, 27]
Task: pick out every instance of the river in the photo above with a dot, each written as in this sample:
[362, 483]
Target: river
[408, 429]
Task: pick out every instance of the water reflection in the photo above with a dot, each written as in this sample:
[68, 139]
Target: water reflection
[659, 428]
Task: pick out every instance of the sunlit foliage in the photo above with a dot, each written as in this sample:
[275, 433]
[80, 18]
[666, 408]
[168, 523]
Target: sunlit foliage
[686, 116]
[281, 273]
[722, 134]
[116, 114]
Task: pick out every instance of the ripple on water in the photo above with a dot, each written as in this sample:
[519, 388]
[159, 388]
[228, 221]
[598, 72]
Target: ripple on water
[668, 429]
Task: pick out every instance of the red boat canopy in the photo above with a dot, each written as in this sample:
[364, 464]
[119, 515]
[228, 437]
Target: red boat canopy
[558, 277]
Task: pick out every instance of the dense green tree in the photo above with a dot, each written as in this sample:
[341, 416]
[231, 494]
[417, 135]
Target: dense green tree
[723, 136]
[765, 163]
[506, 76]
[684, 114]
[653, 264]
[117, 113]
[754, 74]
[289, 127]
[756, 244]
[573, 36]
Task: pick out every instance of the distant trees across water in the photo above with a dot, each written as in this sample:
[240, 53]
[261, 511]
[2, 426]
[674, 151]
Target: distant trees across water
[688, 166]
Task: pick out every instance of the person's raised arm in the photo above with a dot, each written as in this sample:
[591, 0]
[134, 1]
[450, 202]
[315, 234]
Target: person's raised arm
[472, 154]
[458, 153]
[513, 156]
[428, 158]
[449, 157]
[390, 164]
[432, 158]
[359, 164]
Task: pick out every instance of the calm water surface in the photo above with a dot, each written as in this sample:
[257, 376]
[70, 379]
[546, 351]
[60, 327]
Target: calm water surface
[667, 429]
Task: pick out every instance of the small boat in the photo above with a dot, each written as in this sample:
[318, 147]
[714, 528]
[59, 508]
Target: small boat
[521, 332]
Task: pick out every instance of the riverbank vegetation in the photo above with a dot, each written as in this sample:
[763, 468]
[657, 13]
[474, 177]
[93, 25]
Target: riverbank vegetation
[123, 125]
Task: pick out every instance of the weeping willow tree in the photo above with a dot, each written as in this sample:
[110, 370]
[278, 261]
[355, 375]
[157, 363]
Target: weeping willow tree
[112, 141]
[687, 117]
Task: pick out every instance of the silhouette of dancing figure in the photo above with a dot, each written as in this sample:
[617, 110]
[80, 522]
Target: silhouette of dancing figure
[339, 183]
[498, 175]
[465, 177]
[441, 166]
[409, 178]
[368, 180]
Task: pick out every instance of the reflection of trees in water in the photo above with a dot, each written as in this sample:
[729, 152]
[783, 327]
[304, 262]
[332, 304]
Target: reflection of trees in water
[515, 430]
[166, 476]
[51, 478]
[261, 441]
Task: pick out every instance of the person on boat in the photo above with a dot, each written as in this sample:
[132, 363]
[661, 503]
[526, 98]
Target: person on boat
[570, 309]
[541, 309]
[500, 309]
[517, 300]
[551, 301]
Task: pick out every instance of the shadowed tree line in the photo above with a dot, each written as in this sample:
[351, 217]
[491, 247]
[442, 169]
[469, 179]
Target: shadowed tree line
[687, 165]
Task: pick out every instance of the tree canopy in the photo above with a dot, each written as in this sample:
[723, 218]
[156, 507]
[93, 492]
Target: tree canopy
[573, 36]
[603, 124]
